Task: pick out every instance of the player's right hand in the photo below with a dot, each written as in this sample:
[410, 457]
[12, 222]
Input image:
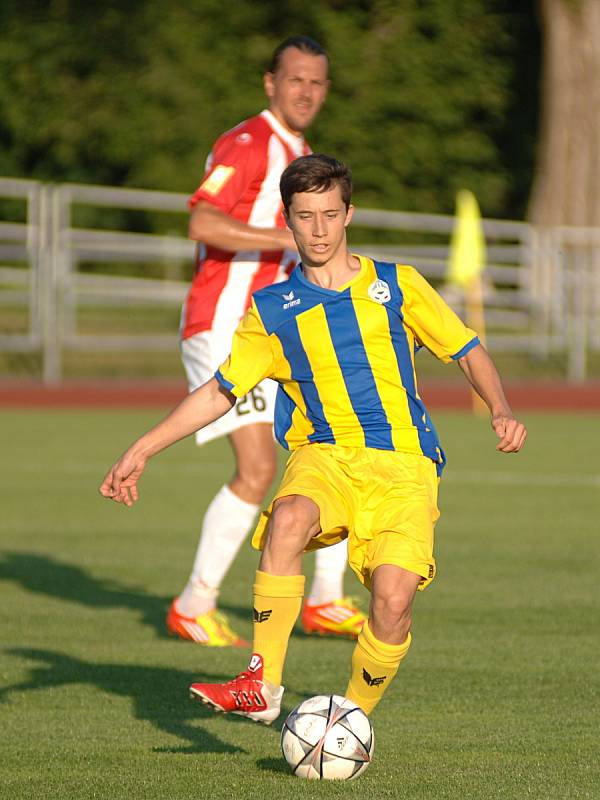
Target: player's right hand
[120, 482]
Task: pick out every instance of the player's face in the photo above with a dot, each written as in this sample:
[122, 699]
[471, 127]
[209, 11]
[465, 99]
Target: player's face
[318, 221]
[297, 89]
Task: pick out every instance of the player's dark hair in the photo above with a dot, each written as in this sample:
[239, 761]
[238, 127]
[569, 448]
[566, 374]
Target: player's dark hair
[315, 173]
[303, 43]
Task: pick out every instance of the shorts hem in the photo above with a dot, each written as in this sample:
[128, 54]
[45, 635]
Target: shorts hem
[211, 435]
[425, 569]
[330, 534]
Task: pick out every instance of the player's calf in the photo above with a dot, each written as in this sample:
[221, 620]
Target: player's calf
[392, 593]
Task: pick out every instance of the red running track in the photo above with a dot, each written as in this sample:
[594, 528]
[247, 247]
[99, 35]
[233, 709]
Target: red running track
[543, 396]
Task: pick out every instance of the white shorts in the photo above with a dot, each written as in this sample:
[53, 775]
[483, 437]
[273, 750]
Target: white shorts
[202, 355]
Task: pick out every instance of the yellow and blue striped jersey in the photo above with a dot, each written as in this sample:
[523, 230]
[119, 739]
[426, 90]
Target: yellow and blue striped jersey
[344, 358]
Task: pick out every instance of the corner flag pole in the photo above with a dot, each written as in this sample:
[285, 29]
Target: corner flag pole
[465, 266]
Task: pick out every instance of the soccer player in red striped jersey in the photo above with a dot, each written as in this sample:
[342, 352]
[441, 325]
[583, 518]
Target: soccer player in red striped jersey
[243, 246]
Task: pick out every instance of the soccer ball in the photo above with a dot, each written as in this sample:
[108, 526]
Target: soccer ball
[327, 737]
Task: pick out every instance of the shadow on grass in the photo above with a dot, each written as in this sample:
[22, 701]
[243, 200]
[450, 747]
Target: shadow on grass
[273, 765]
[45, 575]
[156, 694]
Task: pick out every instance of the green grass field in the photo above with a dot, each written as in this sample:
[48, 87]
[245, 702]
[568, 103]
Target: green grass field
[499, 697]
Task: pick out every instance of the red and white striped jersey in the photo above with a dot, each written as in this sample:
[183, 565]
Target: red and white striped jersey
[241, 179]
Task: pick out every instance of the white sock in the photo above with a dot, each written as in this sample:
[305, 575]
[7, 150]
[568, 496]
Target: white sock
[226, 524]
[328, 581]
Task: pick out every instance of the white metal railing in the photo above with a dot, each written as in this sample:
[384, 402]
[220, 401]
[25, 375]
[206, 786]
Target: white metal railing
[510, 306]
[571, 292]
[541, 287]
[23, 276]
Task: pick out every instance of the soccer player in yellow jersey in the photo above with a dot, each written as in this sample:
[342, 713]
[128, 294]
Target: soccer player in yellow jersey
[339, 337]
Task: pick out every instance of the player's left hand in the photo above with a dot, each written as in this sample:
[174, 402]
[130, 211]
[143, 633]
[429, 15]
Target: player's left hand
[120, 482]
[511, 432]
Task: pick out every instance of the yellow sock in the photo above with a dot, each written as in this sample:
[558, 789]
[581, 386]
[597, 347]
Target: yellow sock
[277, 603]
[374, 664]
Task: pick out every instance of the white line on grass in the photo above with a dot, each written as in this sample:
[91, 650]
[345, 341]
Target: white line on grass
[451, 475]
[522, 479]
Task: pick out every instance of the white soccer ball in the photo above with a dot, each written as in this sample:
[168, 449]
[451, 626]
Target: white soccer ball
[327, 738]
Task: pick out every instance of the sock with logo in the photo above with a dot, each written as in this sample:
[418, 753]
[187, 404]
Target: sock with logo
[277, 603]
[226, 524]
[328, 581]
[374, 664]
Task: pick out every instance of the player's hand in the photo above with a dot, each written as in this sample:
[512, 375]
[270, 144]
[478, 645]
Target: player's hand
[120, 482]
[512, 434]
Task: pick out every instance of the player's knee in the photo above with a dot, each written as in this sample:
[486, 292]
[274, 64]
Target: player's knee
[292, 520]
[392, 609]
[257, 475]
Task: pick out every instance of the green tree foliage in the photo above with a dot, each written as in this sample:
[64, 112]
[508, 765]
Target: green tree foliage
[427, 96]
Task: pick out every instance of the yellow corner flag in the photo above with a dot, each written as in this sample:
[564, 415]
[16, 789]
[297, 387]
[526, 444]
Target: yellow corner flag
[466, 262]
[467, 245]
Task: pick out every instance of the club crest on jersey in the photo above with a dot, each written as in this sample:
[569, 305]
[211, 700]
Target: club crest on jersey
[380, 291]
[290, 300]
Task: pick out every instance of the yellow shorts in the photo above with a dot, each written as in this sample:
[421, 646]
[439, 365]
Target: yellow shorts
[383, 502]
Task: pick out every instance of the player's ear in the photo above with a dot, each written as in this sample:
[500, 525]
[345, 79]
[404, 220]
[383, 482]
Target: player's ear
[269, 84]
[349, 215]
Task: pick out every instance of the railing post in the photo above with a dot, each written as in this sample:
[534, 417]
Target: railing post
[577, 315]
[50, 263]
[50, 350]
[32, 244]
[533, 256]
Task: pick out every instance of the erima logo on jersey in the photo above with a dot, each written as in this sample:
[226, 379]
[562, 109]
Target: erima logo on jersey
[290, 300]
[261, 616]
[380, 292]
[217, 179]
[372, 681]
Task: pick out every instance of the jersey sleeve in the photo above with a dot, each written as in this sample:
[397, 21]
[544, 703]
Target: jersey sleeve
[433, 322]
[232, 165]
[251, 358]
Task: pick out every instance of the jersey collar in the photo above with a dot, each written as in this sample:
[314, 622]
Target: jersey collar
[365, 263]
[296, 143]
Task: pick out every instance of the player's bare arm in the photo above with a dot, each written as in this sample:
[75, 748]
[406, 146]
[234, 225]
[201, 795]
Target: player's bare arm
[198, 409]
[211, 226]
[483, 376]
